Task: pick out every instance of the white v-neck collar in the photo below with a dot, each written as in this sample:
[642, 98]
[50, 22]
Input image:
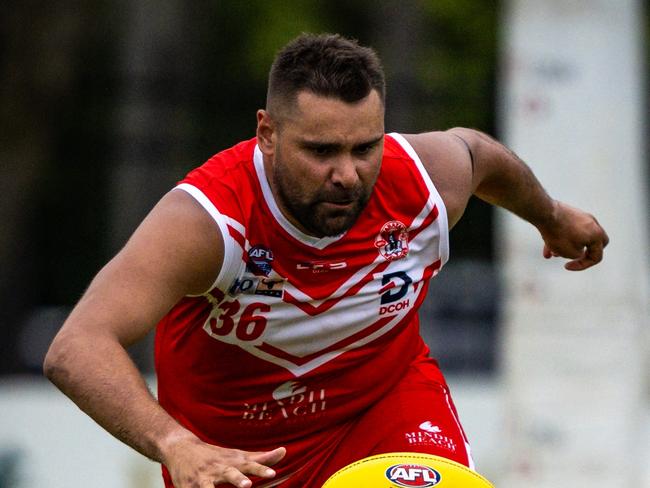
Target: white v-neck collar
[317, 242]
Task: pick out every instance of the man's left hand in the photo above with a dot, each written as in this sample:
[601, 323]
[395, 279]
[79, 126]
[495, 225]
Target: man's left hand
[575, 235]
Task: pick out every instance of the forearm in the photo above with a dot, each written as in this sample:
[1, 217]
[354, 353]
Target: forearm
[501, 178]
[98, 375]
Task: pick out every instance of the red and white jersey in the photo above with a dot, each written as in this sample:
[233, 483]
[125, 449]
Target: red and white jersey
[299, 333]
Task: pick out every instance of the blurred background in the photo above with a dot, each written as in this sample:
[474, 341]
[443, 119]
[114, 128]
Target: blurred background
[105, 105]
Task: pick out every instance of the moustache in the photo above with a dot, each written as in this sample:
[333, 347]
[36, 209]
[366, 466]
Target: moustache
[341, 196]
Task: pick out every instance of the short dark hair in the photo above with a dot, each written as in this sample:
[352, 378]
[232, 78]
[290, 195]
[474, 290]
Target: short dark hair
[329, 65]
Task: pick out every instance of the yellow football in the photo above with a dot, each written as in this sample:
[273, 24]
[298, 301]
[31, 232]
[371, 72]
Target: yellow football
[406, 469]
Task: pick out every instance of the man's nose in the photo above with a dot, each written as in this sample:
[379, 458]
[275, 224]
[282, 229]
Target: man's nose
[344, 172]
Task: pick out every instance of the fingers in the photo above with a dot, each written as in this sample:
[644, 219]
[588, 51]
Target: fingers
[230, 475]
[548, 253]
[566, 250]
[584, 249]
[269, 458]
[574, 235]
[236, 474]
[235, 477]
[256, 469]
[230, 467]
[592, 254]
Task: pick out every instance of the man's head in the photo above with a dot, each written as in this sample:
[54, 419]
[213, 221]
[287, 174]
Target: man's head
[328, 65]
[322, 131]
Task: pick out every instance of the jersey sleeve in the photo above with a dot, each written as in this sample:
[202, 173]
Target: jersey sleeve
[232, 261]
[433, 194]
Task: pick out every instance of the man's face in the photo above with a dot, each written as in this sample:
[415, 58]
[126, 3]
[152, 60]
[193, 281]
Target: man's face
[324, 158]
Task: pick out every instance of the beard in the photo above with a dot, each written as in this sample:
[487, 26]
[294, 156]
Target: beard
[314, 214]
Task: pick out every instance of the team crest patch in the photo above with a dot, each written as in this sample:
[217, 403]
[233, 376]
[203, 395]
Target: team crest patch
[393, 240]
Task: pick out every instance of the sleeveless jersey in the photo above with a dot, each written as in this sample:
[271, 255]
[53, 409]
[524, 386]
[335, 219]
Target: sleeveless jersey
[299, 333]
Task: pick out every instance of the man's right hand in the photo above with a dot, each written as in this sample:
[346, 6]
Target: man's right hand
[176, 251]
[195, 464]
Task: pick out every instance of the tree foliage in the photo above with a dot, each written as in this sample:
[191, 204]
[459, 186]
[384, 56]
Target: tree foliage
[104, 97]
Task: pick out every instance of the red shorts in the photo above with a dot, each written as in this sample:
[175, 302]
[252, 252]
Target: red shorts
[418, 415]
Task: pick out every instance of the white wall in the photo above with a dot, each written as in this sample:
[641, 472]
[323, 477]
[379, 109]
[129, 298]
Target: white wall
[574, 356]
[58, 446]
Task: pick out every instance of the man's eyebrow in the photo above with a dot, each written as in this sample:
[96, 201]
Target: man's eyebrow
[332, 144]
[371, 142]
[317, 143]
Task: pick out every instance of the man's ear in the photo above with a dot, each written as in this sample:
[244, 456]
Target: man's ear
[266, 132]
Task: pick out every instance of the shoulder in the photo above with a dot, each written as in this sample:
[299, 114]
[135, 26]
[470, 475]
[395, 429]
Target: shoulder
[228, 161]
[447, 160]
[183, 237]
[226, 178]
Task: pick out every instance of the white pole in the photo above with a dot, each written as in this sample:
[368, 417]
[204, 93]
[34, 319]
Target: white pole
[573, 342]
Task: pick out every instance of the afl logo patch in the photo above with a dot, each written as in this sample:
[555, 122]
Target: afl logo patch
[393, 240]
[259, 260]
[413, 475]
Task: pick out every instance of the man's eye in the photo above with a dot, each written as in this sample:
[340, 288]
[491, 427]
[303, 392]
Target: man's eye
[364, 149]
[321, 150]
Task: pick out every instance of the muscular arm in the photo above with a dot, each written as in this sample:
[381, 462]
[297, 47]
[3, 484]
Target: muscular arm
[176, 251]
[463, 162]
